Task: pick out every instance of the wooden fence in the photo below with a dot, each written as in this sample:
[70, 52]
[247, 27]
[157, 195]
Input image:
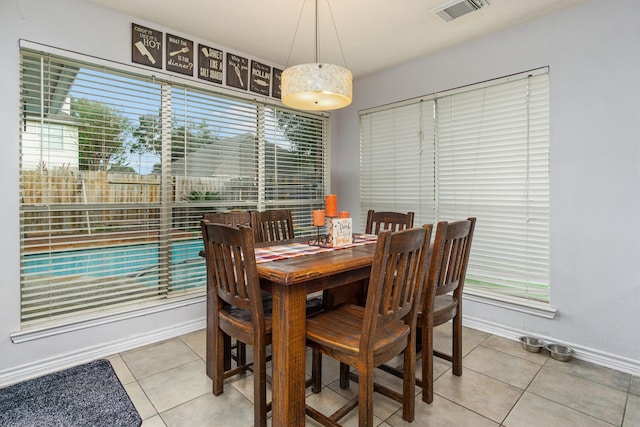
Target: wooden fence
[63, 201]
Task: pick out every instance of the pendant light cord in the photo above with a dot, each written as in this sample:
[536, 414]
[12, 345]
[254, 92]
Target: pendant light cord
[317, 45]
[335, 29]
[317, 33]
[293, 40]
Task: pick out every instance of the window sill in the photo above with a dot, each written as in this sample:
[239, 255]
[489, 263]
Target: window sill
[44, 331]
[534, 308]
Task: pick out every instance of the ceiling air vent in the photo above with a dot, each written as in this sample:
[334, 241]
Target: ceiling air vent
[456, 8]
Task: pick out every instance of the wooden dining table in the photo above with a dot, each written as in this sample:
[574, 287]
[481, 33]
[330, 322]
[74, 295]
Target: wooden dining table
[290, 280]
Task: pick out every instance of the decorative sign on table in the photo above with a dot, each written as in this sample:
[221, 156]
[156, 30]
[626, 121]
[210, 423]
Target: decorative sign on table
[260, 78]
[237, 71]
[275, 83]
[146, 46]
[179, 55]
[340, 232]
[209, 63]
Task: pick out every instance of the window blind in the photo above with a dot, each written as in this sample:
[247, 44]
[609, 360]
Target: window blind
[295, 163]
[89, 231]
[397, 161]
[117, 169]
[491, 160]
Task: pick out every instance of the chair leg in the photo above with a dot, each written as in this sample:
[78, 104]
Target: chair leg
[456, 355]
[210, 354]
[316, 371]
[227, 351]
[241, 353]
[210, 342]
[218, 339]
[427, 362]
[259, 384]
[365, 396]
[408, 380]
[344, 375]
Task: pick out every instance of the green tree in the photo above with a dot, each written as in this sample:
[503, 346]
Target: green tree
[302, 132]
[305, 135]
[147, 136]
[102, 131]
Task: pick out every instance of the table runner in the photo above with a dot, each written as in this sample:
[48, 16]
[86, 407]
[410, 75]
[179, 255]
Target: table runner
[291, 250]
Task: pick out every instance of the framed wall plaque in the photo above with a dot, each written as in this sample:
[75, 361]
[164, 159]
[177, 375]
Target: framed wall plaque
[210, 63]
[260, 80]
[146, 46]
[179, 55]
[275, 83]
[237, 71]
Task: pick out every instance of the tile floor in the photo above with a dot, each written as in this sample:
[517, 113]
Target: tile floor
[502, 385]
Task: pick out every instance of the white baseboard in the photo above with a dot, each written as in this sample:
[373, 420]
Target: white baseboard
[45, 366]
[597, 357]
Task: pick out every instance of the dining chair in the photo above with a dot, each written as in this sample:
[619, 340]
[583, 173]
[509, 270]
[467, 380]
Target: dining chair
[233, 218]
[449, 259]
[237, 308]
[276, 225]
[394, 221]
[376, 222]
[447, 277]
[365, 337]
[273, 225]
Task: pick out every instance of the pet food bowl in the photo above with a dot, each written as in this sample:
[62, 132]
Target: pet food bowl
[532, 344]
[560, 352]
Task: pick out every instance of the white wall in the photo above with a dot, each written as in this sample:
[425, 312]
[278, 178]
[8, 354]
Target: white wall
[593, 52]
[84, 28]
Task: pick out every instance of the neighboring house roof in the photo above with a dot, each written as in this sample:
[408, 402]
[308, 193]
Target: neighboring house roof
[60, 78]
[234, 157]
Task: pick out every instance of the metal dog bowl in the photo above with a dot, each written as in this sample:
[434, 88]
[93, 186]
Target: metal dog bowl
[532, 344]
[560, 352]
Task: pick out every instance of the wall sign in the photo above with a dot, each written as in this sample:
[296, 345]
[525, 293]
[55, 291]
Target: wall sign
[237, 71]
[179, 55]
[210, 64]
[275, 83]
[260, 78]
[146, 46]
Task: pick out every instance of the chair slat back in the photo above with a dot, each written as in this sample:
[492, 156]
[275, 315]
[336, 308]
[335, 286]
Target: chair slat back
[398, 271]
[453, 241]
[273, 225]
[234, 218]
[231, 266]
[392, 221]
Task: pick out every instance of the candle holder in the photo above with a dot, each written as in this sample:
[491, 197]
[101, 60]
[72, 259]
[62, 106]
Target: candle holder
[321, 240]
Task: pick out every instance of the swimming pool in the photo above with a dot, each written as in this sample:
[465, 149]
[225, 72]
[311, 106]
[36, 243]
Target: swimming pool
[139, 261]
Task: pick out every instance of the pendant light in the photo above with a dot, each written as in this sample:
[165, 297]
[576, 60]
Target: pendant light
[316, 86]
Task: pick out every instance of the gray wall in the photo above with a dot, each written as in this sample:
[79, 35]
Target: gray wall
[593, 52]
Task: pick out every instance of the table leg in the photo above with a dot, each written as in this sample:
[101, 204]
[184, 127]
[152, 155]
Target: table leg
[288, 355]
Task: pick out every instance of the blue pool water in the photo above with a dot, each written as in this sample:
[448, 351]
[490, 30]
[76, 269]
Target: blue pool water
[138, 261]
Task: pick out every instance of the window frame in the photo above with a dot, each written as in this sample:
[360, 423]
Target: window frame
[166, 209]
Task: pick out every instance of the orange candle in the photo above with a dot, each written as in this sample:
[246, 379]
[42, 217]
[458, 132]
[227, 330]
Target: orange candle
[331, 205]
[343, 214]
[318, 218]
